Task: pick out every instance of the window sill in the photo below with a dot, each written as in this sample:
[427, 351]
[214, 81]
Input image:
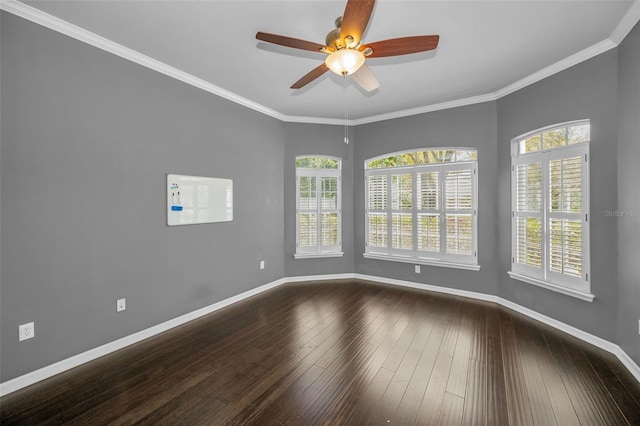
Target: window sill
[553, 287]
[422, 261]
[316, 255]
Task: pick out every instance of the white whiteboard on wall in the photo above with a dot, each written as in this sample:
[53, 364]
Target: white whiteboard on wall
[198, 199]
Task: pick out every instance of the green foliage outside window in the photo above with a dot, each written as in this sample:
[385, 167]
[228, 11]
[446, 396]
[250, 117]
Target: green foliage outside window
[317, 163]
[423, 157]
[556, 138]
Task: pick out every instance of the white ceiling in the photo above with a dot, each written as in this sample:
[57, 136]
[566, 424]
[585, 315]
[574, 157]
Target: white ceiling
[486, 47]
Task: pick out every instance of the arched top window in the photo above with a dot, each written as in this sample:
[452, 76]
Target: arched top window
[556, 136]
[421, 207]
[550, 208]
[424, 156]
[318, 206]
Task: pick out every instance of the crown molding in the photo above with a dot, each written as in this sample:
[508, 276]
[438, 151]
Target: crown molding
[561, 65]
[423, 109]
[317, 120]
[626, 24]
[56, 24]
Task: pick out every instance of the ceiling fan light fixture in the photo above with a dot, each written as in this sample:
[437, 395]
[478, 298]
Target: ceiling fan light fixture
[345, 61]
[345, 52]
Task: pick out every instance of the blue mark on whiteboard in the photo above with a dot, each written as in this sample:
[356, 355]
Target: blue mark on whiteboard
[175, 198]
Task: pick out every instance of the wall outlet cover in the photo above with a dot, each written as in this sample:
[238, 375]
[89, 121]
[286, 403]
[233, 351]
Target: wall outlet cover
[26, 331]
[262, 264]
[121, 305]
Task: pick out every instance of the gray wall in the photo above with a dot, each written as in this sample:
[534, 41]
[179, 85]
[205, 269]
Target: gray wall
[87, 138]
[472, 126]
[629, 194]
[317, 139]
[587, 90]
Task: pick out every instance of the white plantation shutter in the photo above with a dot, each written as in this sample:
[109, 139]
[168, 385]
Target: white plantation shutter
[308, 199]
[429, 232]
[401, 192]
[308, 230]
[565, 247]
[550, 215]
[318, 211]
[429, 190]
[424, 212]
[459, 232]
[429, 194]
[529, 242]
[567, 217]
[458, 190]
[402, 231]
[377, 214]
[329, 188]
[377, 190]
[329, 229]
[528, 214]
[377, 231]
[307, 212]
[402, 212]
[459, 211]
[329, 213]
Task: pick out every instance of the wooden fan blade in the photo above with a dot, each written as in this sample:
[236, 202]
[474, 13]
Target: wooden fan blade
[402, 46]
[365, 78]
[289, 42]
[312, 75]
[355, 19]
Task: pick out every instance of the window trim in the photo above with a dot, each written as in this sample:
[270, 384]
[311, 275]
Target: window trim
[544, 277]
[421, 261]
[415, 256]
[319, 173]
[551, 286]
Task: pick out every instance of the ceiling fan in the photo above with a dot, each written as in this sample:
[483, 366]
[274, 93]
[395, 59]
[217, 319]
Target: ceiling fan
[345, 52]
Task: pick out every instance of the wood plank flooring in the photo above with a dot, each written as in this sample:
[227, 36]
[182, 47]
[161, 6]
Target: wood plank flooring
[343, 353]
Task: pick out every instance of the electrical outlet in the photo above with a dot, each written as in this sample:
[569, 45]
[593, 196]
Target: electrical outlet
[121, 305]
[262, 264]
[417, 267]
[26, 331]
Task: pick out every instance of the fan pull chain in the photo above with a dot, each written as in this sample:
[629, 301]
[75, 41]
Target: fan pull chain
[346, 112]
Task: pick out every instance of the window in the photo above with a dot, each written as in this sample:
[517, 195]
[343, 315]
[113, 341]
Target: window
[318, 207]
[550, 208]
[421, 207]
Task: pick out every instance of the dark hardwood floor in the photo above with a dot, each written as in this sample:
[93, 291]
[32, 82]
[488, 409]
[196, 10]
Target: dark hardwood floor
[343, 353]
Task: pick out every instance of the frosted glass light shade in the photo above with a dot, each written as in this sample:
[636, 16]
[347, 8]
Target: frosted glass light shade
[345, 61]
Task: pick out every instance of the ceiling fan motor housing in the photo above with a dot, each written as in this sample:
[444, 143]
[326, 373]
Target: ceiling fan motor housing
[333, 38]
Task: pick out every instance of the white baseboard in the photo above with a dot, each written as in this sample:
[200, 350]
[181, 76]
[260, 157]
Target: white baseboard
[428, 287]
[616, 350]
[74, 361]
